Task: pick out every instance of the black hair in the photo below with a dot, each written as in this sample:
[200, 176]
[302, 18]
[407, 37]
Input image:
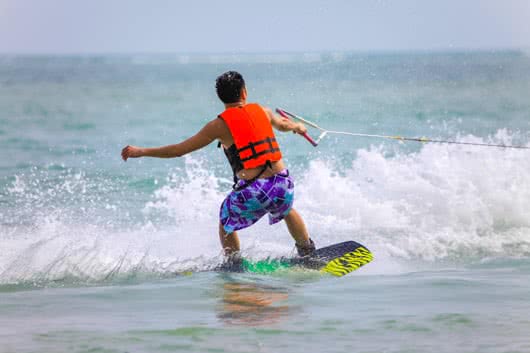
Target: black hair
[229, 86]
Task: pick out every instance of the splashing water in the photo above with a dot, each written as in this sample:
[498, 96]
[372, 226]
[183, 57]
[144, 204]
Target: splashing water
[437, 204]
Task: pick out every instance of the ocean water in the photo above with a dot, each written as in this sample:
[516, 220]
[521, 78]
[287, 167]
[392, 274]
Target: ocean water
[99, 255]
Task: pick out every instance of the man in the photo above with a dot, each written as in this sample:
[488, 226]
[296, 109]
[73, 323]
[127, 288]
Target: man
[262, 182]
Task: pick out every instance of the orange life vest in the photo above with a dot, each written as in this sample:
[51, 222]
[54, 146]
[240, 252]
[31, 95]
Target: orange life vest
[254, 141]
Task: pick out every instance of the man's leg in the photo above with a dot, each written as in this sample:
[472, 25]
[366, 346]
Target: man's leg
[229, 242]
[297, 228]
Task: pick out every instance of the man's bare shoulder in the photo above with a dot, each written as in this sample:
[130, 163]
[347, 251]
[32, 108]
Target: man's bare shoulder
[269, 112]
[216, 129]
[217, 125]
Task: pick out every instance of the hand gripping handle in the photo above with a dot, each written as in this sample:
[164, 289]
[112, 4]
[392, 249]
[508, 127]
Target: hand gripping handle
[305, 135]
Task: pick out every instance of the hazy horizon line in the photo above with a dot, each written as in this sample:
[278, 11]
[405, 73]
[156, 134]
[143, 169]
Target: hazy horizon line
[451, 50]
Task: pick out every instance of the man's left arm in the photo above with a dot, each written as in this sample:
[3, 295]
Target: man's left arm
[203, 138]
[283, 124]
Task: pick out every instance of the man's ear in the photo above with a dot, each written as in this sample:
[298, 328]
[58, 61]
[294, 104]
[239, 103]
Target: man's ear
[243, 93]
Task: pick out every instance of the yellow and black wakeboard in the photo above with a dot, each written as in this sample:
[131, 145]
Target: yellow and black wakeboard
[337, 259]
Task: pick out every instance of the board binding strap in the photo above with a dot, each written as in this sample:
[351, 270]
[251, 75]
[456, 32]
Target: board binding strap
[337, 260]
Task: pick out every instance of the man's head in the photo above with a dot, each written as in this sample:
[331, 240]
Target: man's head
[230, 87]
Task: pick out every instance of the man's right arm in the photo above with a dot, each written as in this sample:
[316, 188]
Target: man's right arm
[204, 137]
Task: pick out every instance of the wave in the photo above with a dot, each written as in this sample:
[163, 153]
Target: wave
[438, 205]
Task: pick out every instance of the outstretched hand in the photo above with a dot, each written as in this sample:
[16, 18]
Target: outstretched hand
[131, 152]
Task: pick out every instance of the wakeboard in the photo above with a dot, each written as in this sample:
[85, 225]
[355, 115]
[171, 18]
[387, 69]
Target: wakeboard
[337, 259]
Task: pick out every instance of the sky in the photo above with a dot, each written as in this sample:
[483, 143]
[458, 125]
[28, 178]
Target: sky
[236, 26]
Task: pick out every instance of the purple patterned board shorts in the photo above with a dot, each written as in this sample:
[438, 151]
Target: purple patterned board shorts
[242, 208]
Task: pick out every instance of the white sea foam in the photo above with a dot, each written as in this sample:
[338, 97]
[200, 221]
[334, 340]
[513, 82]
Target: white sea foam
[443, 203]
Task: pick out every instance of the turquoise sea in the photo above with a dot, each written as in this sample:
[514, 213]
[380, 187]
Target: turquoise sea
[99, 255]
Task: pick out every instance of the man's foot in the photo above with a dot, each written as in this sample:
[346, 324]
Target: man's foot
[307, 249]
[232, 263]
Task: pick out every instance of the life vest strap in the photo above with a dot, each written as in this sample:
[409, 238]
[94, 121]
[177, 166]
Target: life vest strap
[252, 147]
[256, 155]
